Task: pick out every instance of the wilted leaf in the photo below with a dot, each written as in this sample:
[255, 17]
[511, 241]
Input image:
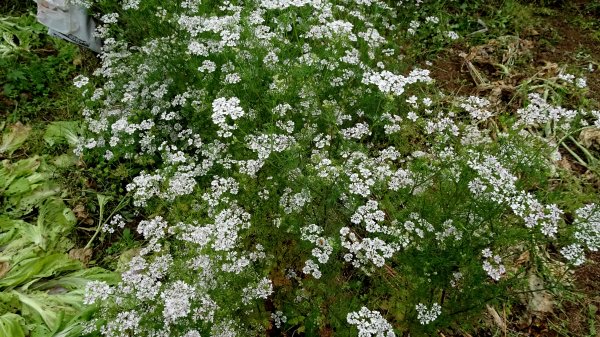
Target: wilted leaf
[540, 300]
[590, 138]
[523, 259]
[82, 215]
[4, 268]
[62, 132]
[84, 255]
[26, 203]
[14, 138]
[497, 319]
[8, 229]
[65, 160]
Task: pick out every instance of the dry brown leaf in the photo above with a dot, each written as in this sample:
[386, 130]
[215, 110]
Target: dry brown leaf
[81, 254]
[523, 258]
[540, 300]
[497, 319]
[4, 268]
[565, 164]
[82, 215]
[590, 138]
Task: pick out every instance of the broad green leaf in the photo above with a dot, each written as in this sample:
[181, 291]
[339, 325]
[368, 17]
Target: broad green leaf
[74, 327]
[9, 172]
[65, 160]
[12, 325]
[102, 200]
[26, 203]
[40, 307]
[33, 234]
[56, 311]
[78, 279]
[8, 229]
[54, 221]
[14, 138]
[19, 186]
[33, 269]
[56, 214]
[62, 132]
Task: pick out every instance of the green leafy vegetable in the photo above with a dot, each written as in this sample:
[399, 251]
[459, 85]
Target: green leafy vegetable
[62, 132]
[14, 138]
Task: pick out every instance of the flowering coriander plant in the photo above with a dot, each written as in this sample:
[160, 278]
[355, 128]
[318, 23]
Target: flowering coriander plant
[299, 165]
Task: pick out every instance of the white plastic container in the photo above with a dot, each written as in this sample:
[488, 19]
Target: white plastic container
[69, 22]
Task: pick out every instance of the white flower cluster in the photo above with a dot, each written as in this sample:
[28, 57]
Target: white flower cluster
[278, 318]
[367, 250]
[579, 82]
[415, 229]
[443, 124]
[284, 4]
[294, 202]
[269, 118]
[80, 81]
[587, 226]
[177, 301]
[263, 289]
[370, 215]
[477, 107]
[145, 186]
[96, 290]
[596, 114]
[364, 171]
[223, 108]
[323, 248]
[265, 144]
[116, 221]
[587, 234]
[392, 123]
[427, 315]
[126, 323]
[401, 179]
[153, 231]
[492, 264]
[539, 112]
[312, 268]
[390, 83]
[358, 131]
[332, 29]
[496, 183]
[574, 254]
[448, 230]
[370, 323]
[456, 278]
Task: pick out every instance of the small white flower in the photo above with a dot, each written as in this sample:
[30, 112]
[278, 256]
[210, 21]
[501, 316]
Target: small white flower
[370, 323]
[80, 81]
[426, 316]
[574, 254]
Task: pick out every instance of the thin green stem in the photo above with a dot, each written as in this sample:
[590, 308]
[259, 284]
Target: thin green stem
[101, 223]
[575, 155]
